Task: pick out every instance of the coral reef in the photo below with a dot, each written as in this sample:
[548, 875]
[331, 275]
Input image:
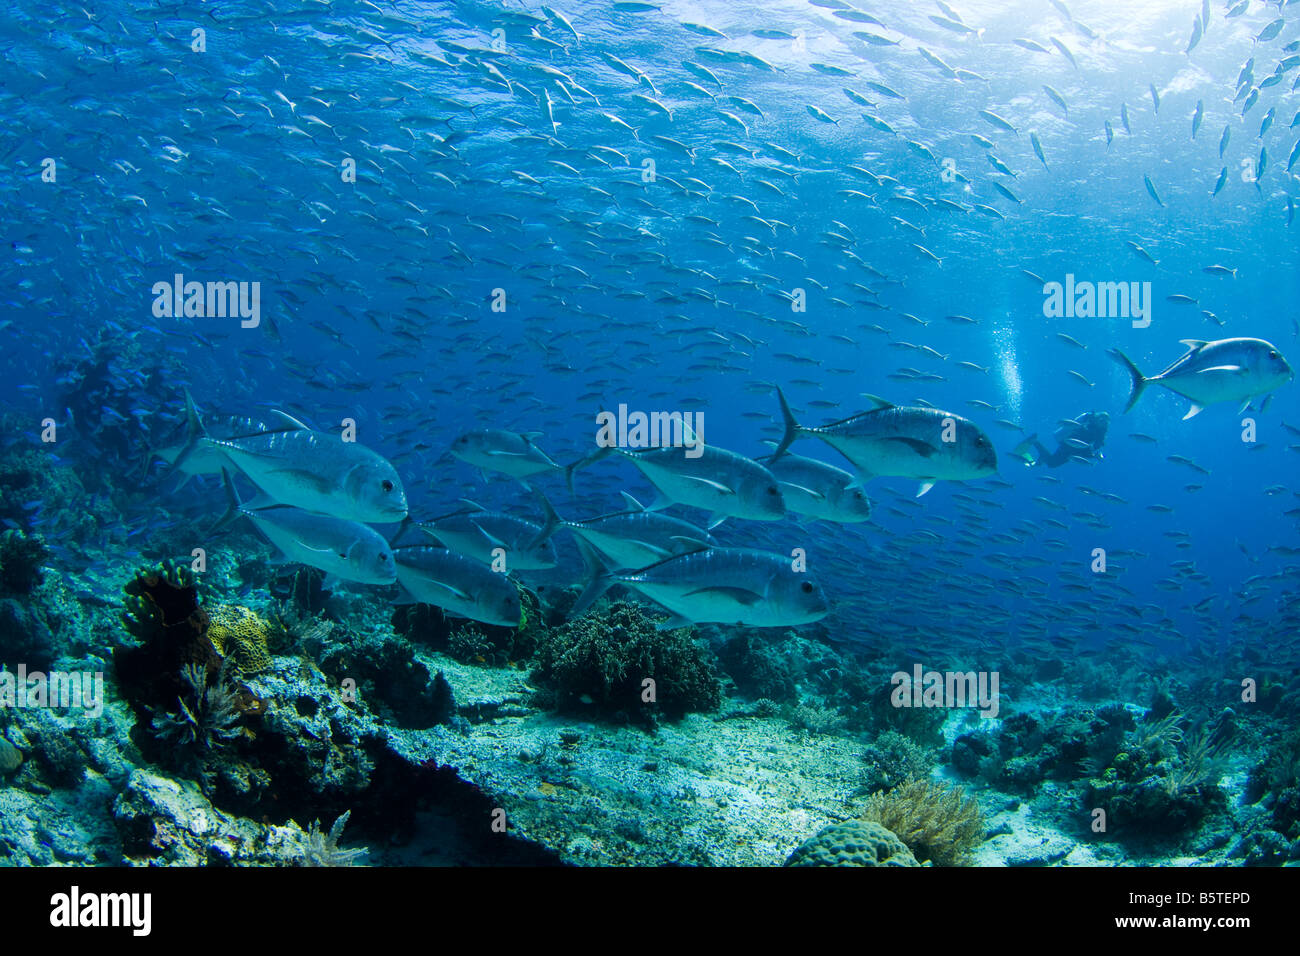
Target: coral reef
[854, 843]
[21, 557]
[892, 758]
[936, 822]
[600, 663]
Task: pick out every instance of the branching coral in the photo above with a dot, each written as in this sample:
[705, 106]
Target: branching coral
[210, 718]
[322, 849]
[936, 822]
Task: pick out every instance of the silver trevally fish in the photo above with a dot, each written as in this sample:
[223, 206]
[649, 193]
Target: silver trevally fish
[511, 453]
[312, 470]
[478, 533]
[721, 482]
[344, 550]
[632, 538]
[819, 491]
[1229, 370]
[720, 585]
[458, 584]
[902, 441]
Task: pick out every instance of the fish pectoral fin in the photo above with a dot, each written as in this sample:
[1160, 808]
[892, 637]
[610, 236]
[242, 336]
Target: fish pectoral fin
[491, 538]
[507, 454]
[922, 448]
[695, 544]
[290, 423]
[1236, 369]
[740, 595]
[812, 492]
[673, 623]
[1193, 412]
[924, 487]
[715, 485]
[306, 547]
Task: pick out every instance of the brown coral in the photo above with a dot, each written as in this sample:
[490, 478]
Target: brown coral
[937, 822]
[853, 843]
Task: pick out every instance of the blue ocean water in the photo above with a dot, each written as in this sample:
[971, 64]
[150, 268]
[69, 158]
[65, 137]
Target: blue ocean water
[513, 216]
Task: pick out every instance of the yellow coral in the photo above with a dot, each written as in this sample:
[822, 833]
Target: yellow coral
[240, 634]
[937, 823]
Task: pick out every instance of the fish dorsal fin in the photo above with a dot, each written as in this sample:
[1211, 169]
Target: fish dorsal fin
[291, 423]
[1193, 344]
[716, 519]
[530, 437]
[632, 503]
[470, 505]
[877, 401]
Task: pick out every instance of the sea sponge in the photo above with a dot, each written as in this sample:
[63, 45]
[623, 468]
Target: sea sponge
[854, 843]
[937, 822]
[240, 636]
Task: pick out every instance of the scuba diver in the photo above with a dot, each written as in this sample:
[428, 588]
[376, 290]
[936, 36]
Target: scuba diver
[1077, 439]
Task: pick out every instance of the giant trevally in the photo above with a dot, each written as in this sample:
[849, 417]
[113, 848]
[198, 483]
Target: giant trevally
[630, 539]
[344, 550]
[1229, 370]
[511, 453]
[458, 584]
[724, 483]
[479, 533]
[819, 491]
[902, 441]
[720, 585]
[296, 465]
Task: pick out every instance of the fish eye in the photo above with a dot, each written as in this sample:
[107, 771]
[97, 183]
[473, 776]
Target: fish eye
[383, 556]
[771, 490]
[1272, 353]
[386, 485]
[806, 587]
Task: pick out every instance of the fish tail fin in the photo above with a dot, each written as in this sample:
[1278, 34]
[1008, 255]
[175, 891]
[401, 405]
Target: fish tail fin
[1139, 380]
[194, 432]
[594, 457]
[599, 579]
[233, 504]
[404, 527]
[791, 427]
[551, 525]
